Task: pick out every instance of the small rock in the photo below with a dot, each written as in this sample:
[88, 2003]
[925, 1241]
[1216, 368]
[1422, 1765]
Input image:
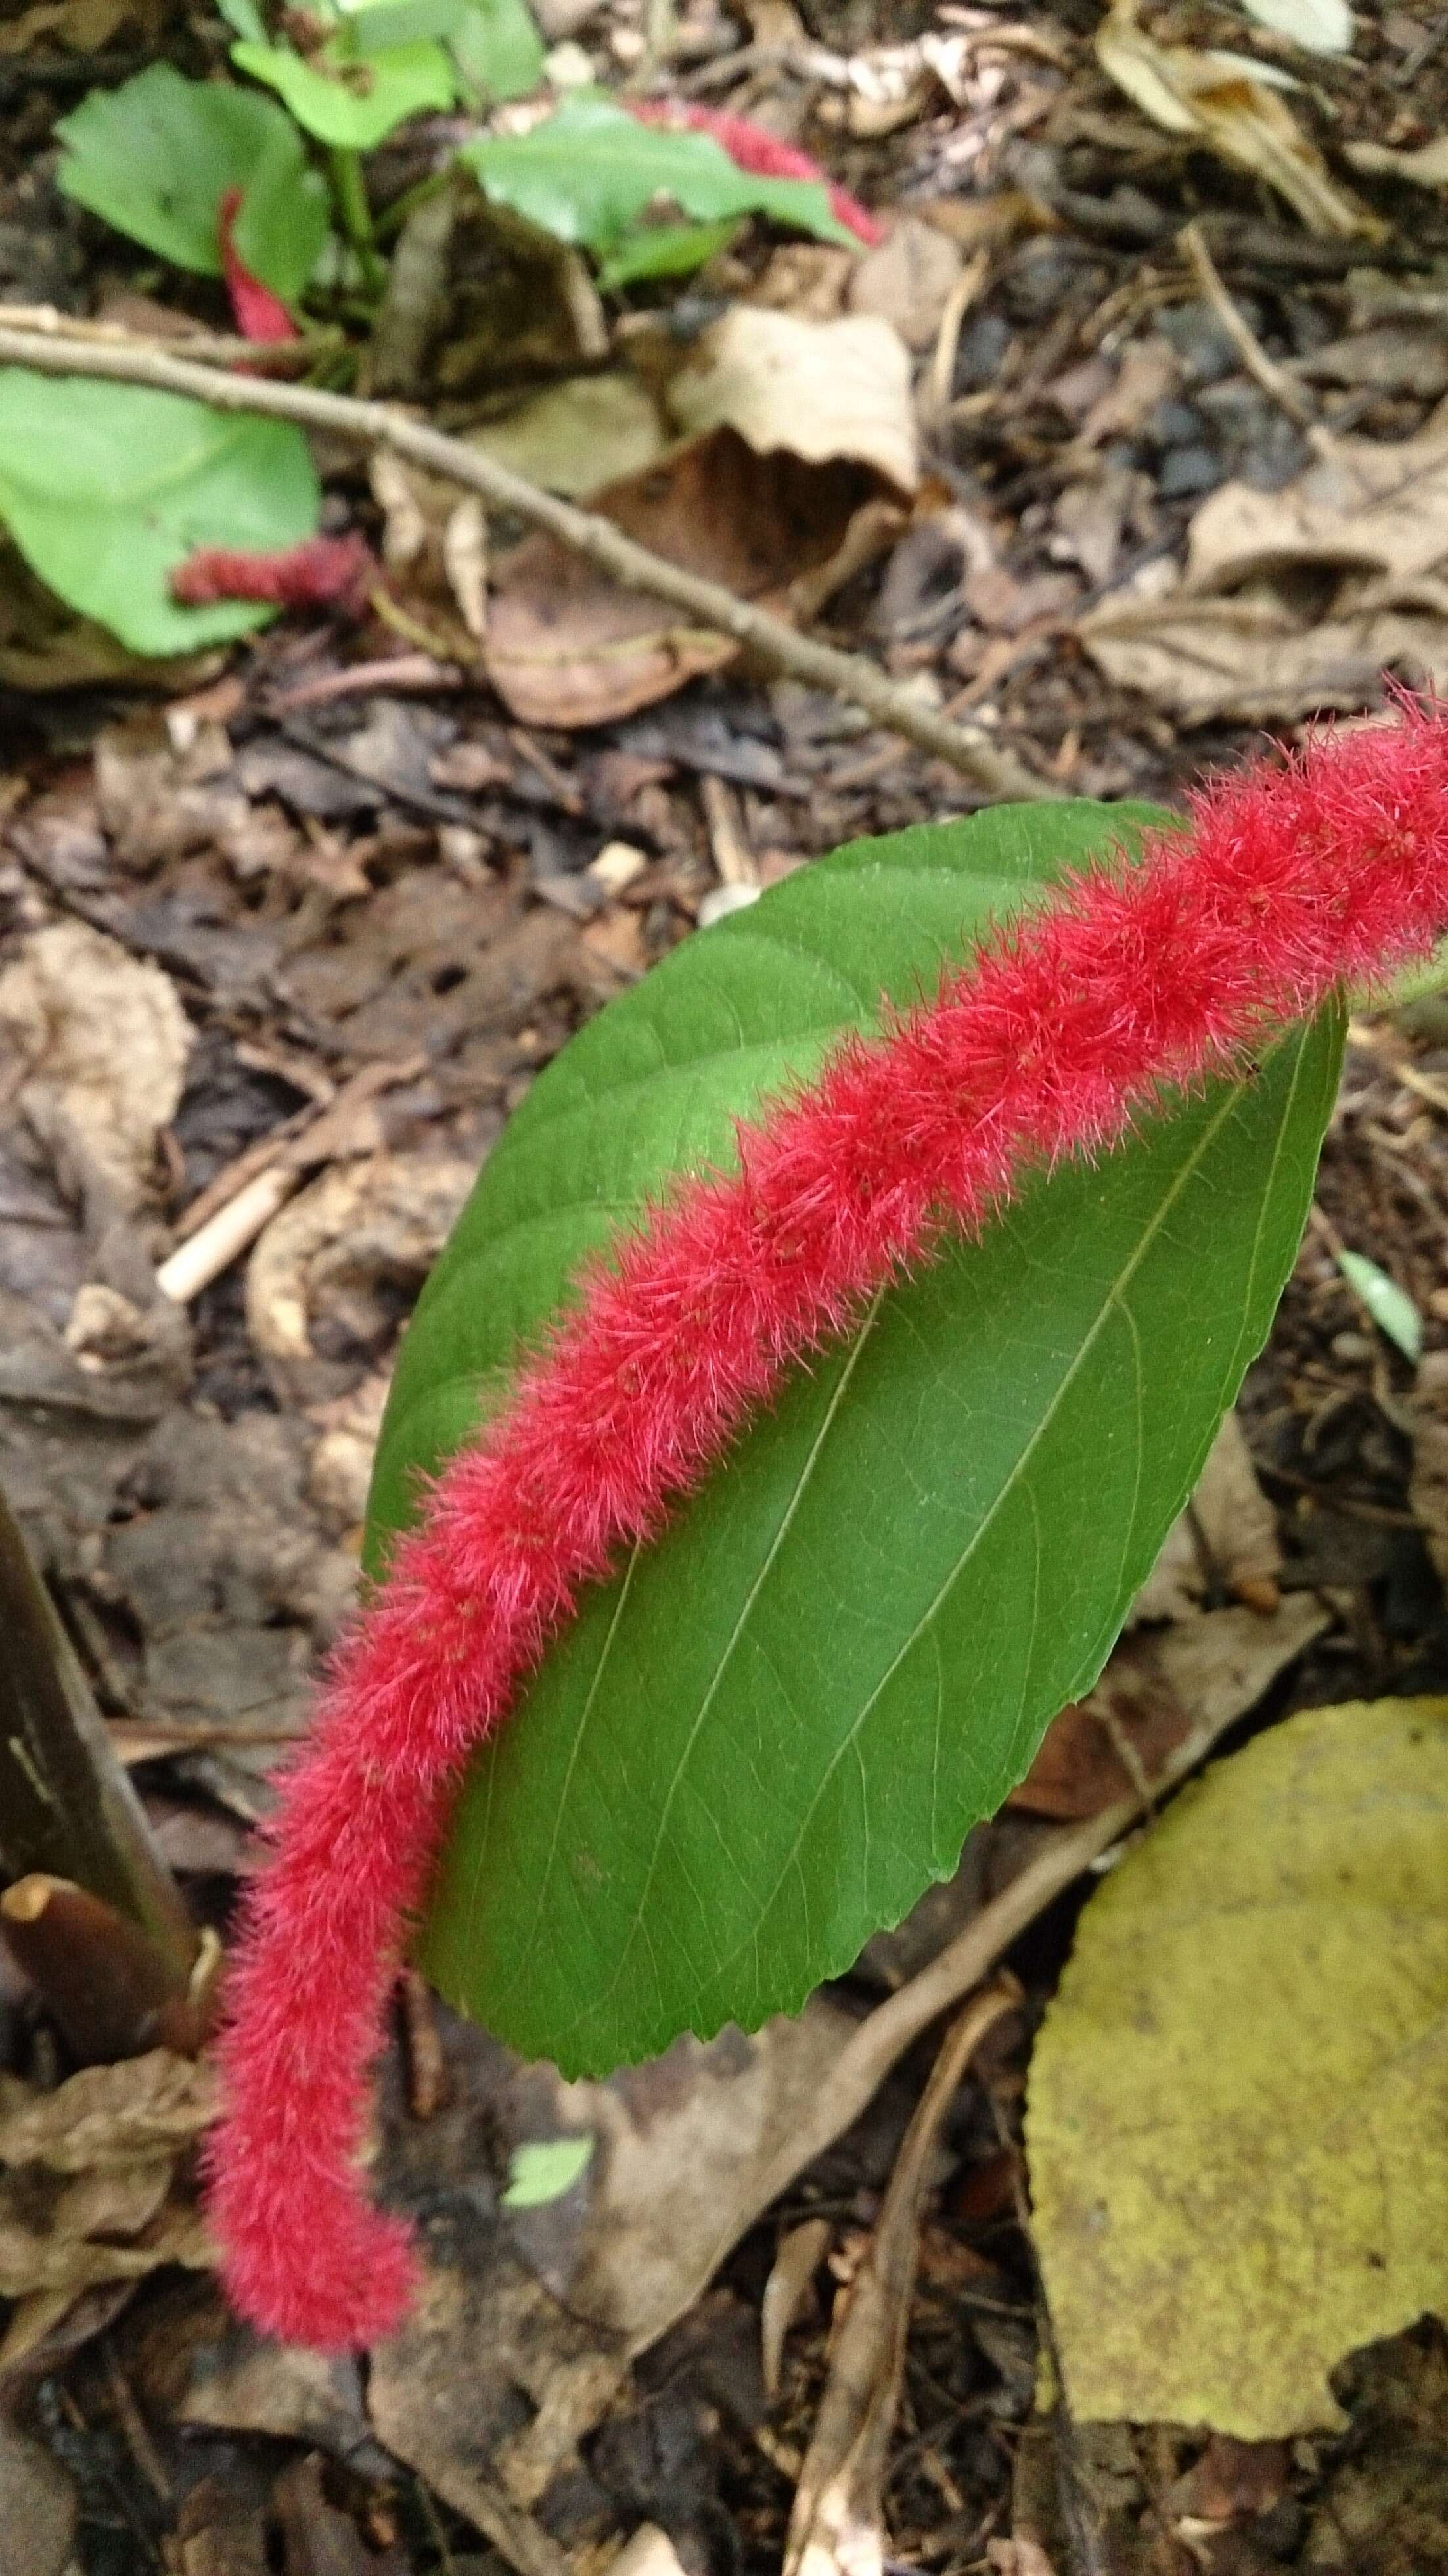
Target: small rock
[1186, 471]
[1203, 346]
[983, 344]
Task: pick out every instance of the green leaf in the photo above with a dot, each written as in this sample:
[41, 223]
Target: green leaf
[1237, 2100]
[156, 156]
[245, 18]
[762, 1741]
[544, 2170]
[379, 25]
[662, 250]
[349, 104]
[1390, 1306]
[587, 172]
[106, 488]
[498, 51]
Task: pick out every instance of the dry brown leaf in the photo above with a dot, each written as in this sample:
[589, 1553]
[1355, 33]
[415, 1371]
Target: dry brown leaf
[84, 2198]
[1150, 373]
[824, 391]
[465, 561]
[83, 26]
[105, 1041]
[793, 427]
[42, 2260]
[807, 278]
[1158, 1686]
[1234, 106]
[908, 281]
[568, 646]
[107, 2116]
[1239, 635]
[1226, 1535]
[361, 1225]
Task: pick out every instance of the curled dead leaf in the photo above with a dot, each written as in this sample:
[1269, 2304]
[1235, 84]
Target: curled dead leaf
[824, 391]
[1242, 634]
[796, 430]
[1234, 107]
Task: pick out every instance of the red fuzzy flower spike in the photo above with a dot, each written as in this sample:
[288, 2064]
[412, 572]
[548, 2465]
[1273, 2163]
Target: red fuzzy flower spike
[321, 572]
[751, 147]
[1047, 1041]
[259, 315]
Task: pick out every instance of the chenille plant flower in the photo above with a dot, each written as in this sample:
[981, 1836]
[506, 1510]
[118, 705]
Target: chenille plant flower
[1060, 1031]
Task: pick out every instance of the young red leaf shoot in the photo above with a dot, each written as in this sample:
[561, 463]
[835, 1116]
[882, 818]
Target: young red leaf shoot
[1047, 1041]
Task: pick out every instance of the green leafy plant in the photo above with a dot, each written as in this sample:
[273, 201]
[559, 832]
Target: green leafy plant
[390, 59]
[158, 156]
[106, 489]
[915, 1559]
[589, 172]
[812, 1494]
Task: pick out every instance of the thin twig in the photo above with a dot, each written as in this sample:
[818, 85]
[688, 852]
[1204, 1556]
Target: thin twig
[1274, 380]
[211, 348]
[377, 425]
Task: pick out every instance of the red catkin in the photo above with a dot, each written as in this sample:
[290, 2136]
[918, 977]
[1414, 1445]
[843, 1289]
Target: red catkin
[753, 148]
[258, 314]
[320, 572]
[1046, 1042]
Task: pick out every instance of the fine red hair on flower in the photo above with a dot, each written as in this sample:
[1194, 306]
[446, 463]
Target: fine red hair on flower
[258, 314]
[1046, 1042]
[753, 148]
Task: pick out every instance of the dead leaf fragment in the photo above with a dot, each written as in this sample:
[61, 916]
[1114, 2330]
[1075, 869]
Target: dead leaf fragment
[363, 1229]
[1318, 26]
[1227, 1535]
[107, 2116]
[1212, 1666]
[824, 391]
[37, 2506]
[1425, 168]
[795, 431]
[908, 281]
[105, 1040]
[1233, 106]
[568, 646]
[1239, 634]
[788, 2292]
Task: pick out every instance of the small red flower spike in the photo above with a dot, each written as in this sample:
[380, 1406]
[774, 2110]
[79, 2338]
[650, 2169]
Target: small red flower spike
[752, 147]
[258, 314]
[1047, 1041]
[321, 572]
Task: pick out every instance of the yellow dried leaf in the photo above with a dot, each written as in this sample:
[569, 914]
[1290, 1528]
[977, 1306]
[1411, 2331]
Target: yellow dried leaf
[1233, 106]
[1239, 2097]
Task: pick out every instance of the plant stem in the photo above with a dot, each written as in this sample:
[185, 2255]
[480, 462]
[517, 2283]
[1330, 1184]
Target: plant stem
[67, 1808]
[350, 188]
[848, 676]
